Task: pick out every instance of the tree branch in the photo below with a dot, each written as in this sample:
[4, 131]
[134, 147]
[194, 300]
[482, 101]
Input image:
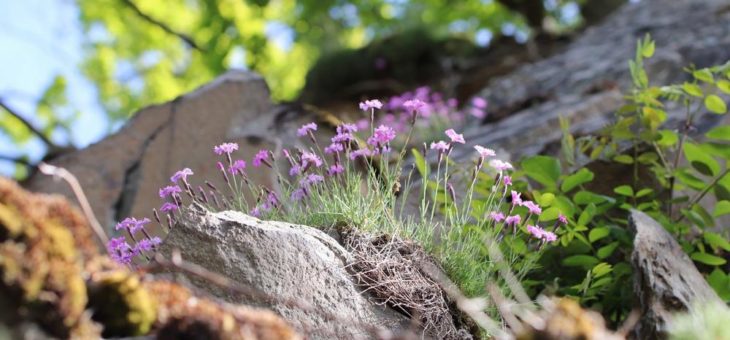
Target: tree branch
[51, 145]
[184, 37]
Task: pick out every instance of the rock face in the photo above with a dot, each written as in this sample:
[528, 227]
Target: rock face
[287, 262]
[665, 279]
[584, 82]
[121, 174]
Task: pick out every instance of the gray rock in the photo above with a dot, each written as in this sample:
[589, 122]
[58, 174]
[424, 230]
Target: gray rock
[285, 261]
[665, 279]
[121, 173]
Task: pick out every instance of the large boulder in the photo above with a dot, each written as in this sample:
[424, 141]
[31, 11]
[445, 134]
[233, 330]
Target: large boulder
[121, 173]
[286, 262]
[665, 279]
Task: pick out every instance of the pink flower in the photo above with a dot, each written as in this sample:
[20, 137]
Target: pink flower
[335, 169]
[360, 153]
[260, 157]
[441, 146]
[562, 219]
[169, 190]
[255, 212]
[479, 102]
[169, 207]
[484, 152]
[181, 174]
[513, 220]
[334, 148]
[516, 199]
[271, 201]
[132, 224]
[302, 131]
[347, 128]
[507, 180]
[496, 216]
[382, 135]
[532, 207]
[455, 137]
[535, 231]
[477, 112]
[310, 158]
[371, 105]
[238, 167]
[220, 166]
[226, 148]
[295, 170]
[342, 137]
[549, 236]
[120, 251]
[414, 105]
[500, 165]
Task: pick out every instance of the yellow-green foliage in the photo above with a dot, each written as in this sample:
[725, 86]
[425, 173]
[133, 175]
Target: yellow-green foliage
[40, 264]
[121, 304]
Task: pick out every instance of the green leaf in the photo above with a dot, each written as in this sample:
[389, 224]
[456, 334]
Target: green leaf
[715, 104]
[585, 261]
[587, 215]
[624, 159]
[543, 169]
[724, 85]
[721, 208]
[607, 250]
[704, 75]
[708, 259]
[549, 214]
[598, 233]
[601, 269]
[721, 132]
[693, 89]
[587, 197]
[667, 138]
[545, 200]
[716, 241]
[647, 49]
[579, 177]
[644, 192]
[686, 177]
[700, 160]
[420, 162]
[624, 190]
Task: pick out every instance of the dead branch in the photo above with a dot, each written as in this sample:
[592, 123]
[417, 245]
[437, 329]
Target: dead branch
[51, 145]
[184, 37]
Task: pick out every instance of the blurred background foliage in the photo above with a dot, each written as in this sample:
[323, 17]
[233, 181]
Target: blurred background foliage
[139, 52]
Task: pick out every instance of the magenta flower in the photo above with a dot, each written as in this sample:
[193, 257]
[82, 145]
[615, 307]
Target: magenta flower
[181, 174]
[455, 137]
[535, 231]
[371, 105]
[255, 212]
[382, 135]
[132, 224]
[532, 207]
[479, 102]
[496, 216]
[477, 112]
[220, 166]
[549, 236]
[271, 201]
[310, 158]
[260, 157]
[120, 251]
[169, 191]
[500, 165]
[298, 194]
[516, 199]
[237, 167]
[484, 152]
[147, 244]
[360, 153]
[513, 220]
[441, 146]
[169, 207]
[562, 219]
[333, 148]
[335, 169]
[302, 131]
[226, 148]
[295, 170]
[414, 105]
[347, 128]
[507, 180]
[311, 179]
[342, 137]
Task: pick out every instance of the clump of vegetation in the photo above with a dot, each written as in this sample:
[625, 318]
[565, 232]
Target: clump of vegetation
[703, 322]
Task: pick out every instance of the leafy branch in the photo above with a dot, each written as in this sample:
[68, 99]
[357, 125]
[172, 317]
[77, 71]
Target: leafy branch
[51, 145]
[184, 37]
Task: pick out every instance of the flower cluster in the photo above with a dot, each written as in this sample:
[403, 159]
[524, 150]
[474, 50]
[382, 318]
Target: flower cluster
[122, 251]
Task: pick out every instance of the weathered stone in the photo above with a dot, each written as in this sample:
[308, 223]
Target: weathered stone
[585, 81]
[121, 174]
[287, 262]
[665, 279]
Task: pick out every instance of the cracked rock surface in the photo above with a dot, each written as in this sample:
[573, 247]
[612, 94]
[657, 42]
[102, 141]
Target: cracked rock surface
[287, 262]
